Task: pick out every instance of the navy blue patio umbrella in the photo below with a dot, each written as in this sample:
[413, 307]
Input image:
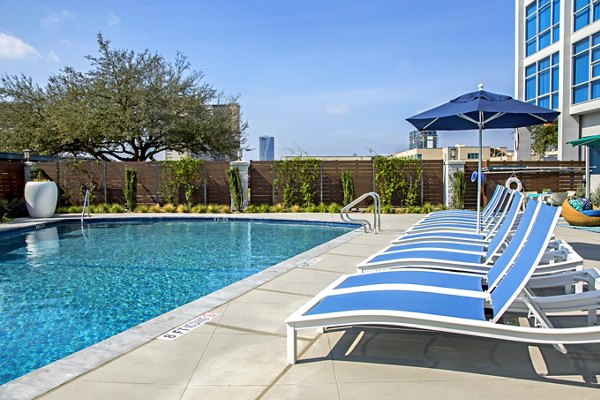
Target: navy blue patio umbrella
[482, 110]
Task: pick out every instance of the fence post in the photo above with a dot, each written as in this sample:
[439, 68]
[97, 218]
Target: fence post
[104, 182]
[158, 174]
[273, 183]
[422, 180]
[374, 173]
[204, 184]
[321, 179]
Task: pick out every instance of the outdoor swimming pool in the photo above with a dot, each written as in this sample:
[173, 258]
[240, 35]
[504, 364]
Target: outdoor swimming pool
[64, 287]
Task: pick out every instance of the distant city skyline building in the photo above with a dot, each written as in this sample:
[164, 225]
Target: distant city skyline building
[423, 140]
[266, 148]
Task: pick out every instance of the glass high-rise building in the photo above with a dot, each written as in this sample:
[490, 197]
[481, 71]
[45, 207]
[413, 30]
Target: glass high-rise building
[266, 148]
[423, 140]
[558, 66]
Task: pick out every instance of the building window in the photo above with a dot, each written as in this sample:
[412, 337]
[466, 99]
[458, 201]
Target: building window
[541, 82]
[472, 156]
[585, 12]
[542, 25]
[586, 69]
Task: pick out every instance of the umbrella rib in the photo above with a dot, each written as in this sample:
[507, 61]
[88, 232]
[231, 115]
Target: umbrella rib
[429, 124]
[538, 117]
[493, 117]
[463, 116]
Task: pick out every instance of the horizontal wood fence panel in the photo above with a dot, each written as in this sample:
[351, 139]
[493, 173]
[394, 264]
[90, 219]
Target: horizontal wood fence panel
[12, 179]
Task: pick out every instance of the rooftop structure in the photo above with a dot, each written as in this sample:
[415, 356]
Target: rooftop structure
[459, 153]
[423, 139]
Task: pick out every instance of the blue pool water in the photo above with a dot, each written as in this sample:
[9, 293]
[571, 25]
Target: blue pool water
[63, 288]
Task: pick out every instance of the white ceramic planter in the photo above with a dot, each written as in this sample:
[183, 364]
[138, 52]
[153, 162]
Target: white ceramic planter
[41, 198]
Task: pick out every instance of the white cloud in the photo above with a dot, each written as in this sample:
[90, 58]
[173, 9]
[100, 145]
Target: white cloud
[13, 48]
[337, 109]
[113, 20]
[56, 18]
[52, 56]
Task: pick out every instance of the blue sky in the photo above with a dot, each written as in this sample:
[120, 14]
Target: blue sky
[325, 77]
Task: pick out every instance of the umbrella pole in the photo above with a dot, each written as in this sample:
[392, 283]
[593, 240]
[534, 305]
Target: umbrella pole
[479, 173]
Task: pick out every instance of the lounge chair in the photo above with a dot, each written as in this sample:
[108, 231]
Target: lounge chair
[495, 205]
[504, 224]
[498, 191]
[464, 224]
[468, 312]
[459, 258]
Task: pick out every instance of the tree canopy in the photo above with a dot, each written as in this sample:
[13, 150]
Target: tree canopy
[544, 138]
[128, 106]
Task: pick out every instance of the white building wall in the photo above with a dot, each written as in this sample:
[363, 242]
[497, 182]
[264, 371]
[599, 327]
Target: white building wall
[575, 121]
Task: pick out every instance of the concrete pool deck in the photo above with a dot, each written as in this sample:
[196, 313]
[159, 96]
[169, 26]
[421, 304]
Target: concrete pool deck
[241, 353]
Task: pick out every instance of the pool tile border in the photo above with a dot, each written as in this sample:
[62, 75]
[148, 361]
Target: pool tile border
[62, 371]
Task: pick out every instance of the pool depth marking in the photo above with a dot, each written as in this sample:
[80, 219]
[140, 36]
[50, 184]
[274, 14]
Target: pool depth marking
[188, 326]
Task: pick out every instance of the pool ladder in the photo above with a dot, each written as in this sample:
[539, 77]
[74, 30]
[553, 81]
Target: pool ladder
[376, 213]
[86, 200]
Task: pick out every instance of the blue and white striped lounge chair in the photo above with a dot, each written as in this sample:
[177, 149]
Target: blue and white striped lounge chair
[494, 208]
[459, 258]
[453, 310]
[491, 205]
[505, 226]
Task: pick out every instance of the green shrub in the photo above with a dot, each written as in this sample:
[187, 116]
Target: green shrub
[264, 208]
[277, 208]
[155, 208]
[182, 209]
[297, 180]
[74, 209]
[347, 187]
[295, 208]
[310, 208]
[213, 208]
[252, 208]
[322, 208]
[235, 187]
[116, 208]
[459, 186]
[427, 208]
[199, 209]
[595, 196]
[387, 209]
[141, 208]
[224, 209]
[168, 208]
[130, 188]
[10, 209]
[334, 208]
[101, 208]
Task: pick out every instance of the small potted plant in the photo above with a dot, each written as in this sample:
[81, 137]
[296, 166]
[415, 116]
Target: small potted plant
[41, 195]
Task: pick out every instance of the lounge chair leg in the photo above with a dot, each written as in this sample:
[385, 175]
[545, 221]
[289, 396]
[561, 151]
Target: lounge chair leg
[291, 344]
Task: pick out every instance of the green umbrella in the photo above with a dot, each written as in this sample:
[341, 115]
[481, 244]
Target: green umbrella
[587, 141]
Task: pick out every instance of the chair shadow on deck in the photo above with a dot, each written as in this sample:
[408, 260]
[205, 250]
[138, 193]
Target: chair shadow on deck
[460, 353]
[588, 251]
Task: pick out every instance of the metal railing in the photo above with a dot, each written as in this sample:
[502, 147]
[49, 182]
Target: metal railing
[376, 212]
[86, 200]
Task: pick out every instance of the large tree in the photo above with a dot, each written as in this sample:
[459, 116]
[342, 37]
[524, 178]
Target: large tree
[544, 138]
[127, 106]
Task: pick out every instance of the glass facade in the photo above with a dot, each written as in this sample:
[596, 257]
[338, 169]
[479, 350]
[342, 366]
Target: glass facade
[586, 69]
[585, 12]
[542, 25]
[541, 82]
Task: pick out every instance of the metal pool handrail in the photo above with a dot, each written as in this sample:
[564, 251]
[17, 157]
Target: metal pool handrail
[376, 212]
[85, 203]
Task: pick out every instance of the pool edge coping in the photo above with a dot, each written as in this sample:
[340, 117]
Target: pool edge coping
[51, 376]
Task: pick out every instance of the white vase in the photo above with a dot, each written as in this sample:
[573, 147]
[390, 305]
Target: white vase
[41, 198]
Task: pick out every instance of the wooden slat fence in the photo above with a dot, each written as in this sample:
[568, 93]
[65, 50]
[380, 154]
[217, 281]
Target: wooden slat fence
[12, 179]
